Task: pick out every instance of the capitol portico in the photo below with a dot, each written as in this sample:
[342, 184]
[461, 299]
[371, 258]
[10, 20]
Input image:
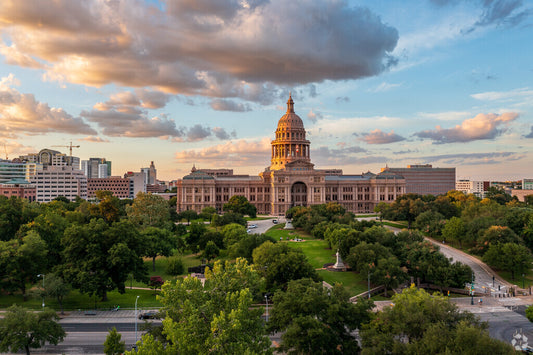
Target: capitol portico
[290, 180]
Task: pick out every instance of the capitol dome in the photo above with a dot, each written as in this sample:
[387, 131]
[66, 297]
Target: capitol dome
[290, 144]
[290, 120]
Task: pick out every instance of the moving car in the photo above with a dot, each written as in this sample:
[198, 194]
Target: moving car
[149, 315]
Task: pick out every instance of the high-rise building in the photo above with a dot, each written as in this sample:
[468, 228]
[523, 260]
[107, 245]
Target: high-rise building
[150, 173]
[94, 168]
[54, 181]
[290, 180]
[425, 179]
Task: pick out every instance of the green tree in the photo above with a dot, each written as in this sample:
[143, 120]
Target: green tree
[158, 242]
[216, 317]
[211, 251]
[189, 215]
[108, 206]
[529, 313]
[316, 320]
[417, 320]
[11, 216]
[207, 213]
[175, 266]
[510, 257]
[498, 194]
[245, 247]
[114, 345]
[279, 264]
[365, 256]
[56, 287]
[497, 235]
[233, 233]
[388, 273]
[454, 230]
[21, 329]
[149, 210]
[239, 204]
[430, 222]
[196, 231]
[21, 261]
[50, 225]
[99, 258]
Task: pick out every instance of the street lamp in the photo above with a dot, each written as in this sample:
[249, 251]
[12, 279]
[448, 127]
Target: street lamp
[266, 299]
[472, 290]
[43, 287]
[136, 320]
[523, 285]
[368, 284]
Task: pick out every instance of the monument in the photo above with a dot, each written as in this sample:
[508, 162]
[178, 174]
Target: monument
[339, 265]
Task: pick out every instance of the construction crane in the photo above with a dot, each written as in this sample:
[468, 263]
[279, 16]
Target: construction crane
[70, 149]
[5, 150]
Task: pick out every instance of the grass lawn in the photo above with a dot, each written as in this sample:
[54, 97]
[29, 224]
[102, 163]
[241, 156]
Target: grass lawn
[317, 252]
[75, 301]
[353, 282]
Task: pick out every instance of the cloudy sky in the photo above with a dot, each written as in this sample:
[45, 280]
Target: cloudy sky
[203, 82]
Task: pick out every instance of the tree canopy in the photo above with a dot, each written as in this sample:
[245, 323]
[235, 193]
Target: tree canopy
[314, 319]
[21, 329]
[216, 317]
[420, 323]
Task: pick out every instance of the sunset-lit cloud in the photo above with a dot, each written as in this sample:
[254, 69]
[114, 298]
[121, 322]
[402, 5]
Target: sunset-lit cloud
[197, 48]
[23, 114]
[94, 139]
[240, 153]
[377, 136]
[482, 126]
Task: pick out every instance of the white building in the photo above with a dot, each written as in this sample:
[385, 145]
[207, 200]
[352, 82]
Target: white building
[527, 184]
[476, 188]
[54, 181]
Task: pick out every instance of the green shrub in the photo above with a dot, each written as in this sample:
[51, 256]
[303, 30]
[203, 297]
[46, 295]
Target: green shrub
[175, 266]
[529, 313]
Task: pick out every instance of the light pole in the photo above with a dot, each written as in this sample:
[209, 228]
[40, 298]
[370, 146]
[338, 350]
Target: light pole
[266, 299]
[136, 321]
[523, 285]
[368, 284]
[472, 290]
[43, 287]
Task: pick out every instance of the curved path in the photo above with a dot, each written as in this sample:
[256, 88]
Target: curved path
[484, 277]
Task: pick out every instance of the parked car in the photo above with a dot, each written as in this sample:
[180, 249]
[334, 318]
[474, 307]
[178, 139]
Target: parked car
[149, 315]
[275, 221]
[252, 226]
[248, 231]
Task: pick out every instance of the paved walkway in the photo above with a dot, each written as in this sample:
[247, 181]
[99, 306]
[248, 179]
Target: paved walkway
[483, 274]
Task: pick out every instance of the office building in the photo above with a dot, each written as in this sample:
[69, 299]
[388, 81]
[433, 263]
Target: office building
[425, 179]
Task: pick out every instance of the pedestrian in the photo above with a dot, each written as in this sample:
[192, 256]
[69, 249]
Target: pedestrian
[480, 301]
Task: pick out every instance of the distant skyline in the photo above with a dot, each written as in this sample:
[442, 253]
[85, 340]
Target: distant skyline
[204, 83]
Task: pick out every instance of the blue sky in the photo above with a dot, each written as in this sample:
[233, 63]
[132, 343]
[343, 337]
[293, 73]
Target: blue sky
[186, 82]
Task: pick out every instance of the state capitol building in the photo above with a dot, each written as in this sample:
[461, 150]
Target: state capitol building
[290, 180]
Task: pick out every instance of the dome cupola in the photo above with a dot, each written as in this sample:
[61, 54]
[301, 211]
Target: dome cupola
[290, 143]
